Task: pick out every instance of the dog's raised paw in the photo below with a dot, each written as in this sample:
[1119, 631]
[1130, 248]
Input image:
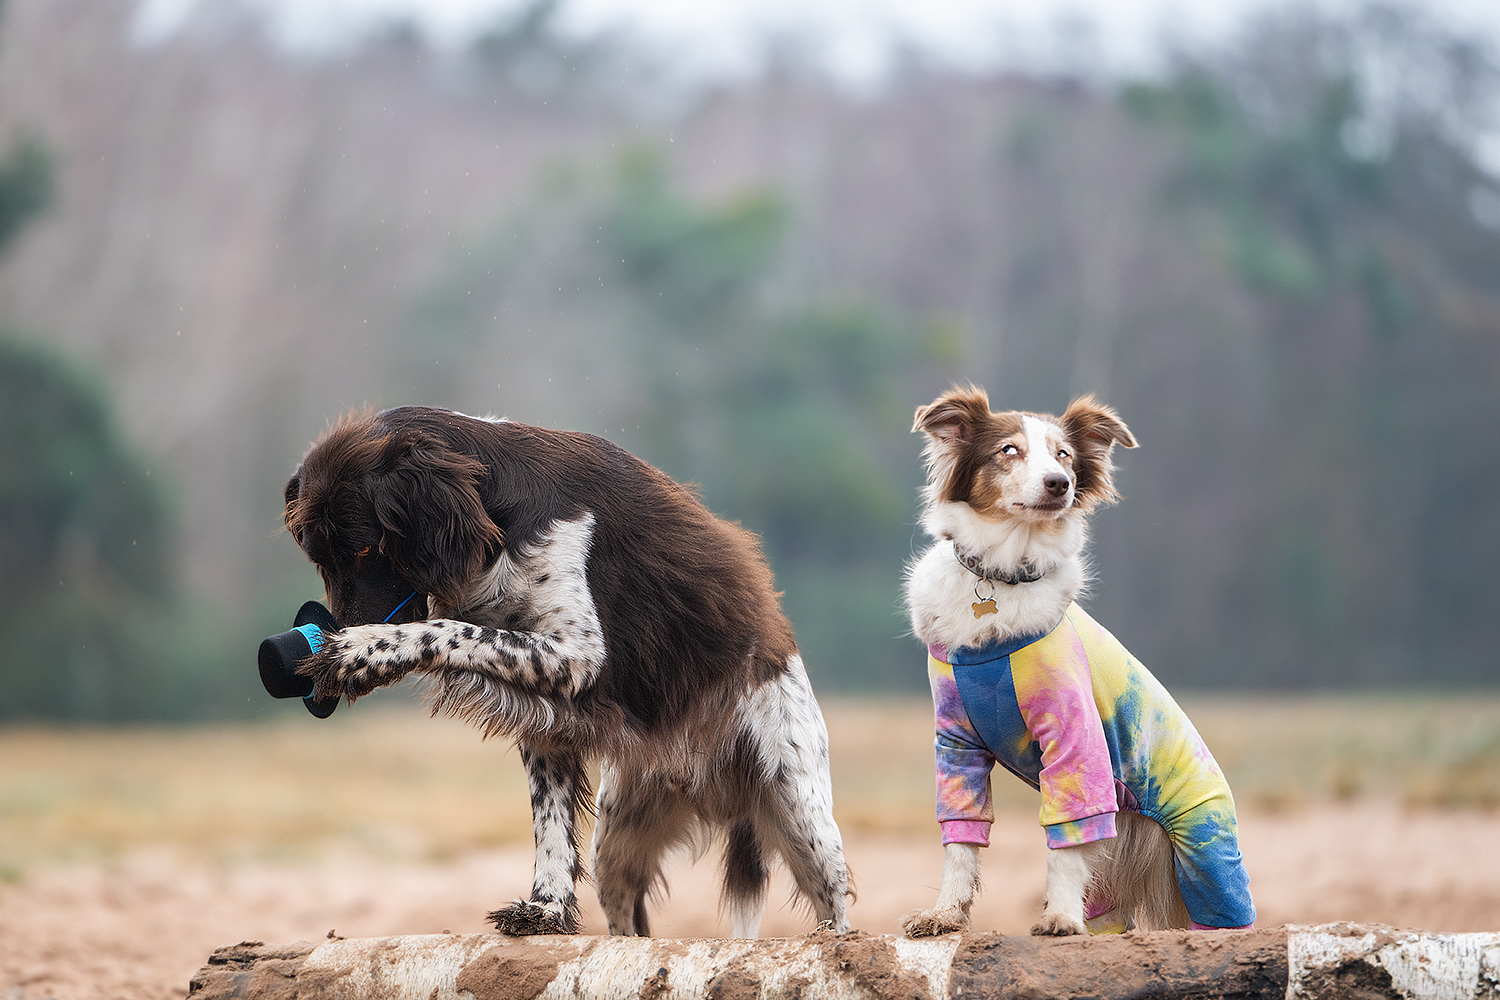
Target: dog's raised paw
[930, 923]
[521, 919]
[1057, 925]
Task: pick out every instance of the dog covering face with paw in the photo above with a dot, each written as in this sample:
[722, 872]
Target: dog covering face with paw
[1138, 816]
[552, 588]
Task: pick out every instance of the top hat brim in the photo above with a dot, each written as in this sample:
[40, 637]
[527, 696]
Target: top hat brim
[313, 613]
[280, 655]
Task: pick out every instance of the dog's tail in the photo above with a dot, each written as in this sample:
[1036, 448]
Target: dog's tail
[1141, 875]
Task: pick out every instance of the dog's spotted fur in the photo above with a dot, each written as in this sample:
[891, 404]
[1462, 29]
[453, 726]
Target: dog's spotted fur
[579, 601]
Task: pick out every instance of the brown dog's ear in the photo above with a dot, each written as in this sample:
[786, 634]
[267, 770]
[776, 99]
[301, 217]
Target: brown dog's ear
[953, 416]
[1088, 419]
[437, 533]
[1094, 429]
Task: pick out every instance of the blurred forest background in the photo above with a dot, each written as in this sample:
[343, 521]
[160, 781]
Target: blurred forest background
[1279, 259]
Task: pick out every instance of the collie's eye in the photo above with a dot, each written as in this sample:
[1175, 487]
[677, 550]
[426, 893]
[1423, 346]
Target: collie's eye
[1010, 449]
[1064, 453]
[362, 552]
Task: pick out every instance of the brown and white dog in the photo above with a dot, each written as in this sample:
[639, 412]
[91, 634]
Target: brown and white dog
[576, 599]
[1021, 676]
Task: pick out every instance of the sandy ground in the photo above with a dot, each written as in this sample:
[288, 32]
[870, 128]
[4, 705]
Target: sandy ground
[140, 926]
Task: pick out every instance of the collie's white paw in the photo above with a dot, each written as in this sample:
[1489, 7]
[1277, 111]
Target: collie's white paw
[1058, 925]
[930, 923]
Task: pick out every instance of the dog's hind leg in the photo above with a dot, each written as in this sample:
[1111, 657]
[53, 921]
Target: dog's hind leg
[557, 781]
[1070, 870]
[784, 723]
[955, 897]
[808, 840]
[638, 820]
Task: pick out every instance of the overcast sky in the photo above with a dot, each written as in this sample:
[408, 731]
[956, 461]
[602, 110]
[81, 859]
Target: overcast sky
[724, 37]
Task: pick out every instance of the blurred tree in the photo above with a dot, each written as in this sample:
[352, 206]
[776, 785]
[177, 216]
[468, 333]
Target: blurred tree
[25, 187]
[1339, 155]
[85, 542]
[527, 54]
[783, 413]
[85, 583]
[790, 416]
[691, 276]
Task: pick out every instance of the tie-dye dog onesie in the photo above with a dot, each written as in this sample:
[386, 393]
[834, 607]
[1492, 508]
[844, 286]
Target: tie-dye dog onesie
[1073, 714]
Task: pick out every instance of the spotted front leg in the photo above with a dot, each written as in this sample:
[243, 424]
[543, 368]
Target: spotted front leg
[558, 785]
[360, 659]
[356, 661]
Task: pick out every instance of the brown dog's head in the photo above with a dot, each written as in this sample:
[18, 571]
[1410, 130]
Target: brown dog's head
[1032, 466]
[385, 512]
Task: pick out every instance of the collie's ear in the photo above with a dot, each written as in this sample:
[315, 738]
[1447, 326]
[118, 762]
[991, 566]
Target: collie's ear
[952, 417]
[1094, 429]
[436, 531]
[1088, 420]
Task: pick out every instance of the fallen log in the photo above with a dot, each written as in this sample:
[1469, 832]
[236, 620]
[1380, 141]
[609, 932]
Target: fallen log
[1286, 963]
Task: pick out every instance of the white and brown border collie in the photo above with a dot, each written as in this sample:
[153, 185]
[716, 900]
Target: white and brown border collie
[576, 599]
[1006, 501]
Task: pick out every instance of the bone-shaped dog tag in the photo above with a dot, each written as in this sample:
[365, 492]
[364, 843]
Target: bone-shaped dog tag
[982, 608]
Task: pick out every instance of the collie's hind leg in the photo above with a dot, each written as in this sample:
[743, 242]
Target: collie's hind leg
[1069, 873]
[638, 821]
[955, 896]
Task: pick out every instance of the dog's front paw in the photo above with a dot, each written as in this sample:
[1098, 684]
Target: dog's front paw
[930, 923]
[1058, 925]
[353, 663]
[521, 919]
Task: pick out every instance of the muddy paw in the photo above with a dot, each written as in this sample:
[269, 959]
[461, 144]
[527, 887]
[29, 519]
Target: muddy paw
[1057, 925]
[930, 923]
[520, 919]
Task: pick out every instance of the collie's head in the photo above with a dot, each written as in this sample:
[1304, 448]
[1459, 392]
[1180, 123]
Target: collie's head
[1012, 466]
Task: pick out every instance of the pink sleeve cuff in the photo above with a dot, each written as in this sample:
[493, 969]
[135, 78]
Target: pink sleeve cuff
[966, 831]
[1081, 831]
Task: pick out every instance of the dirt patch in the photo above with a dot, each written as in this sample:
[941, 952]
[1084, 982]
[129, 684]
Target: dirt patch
[873, 963]
[251, 968]
[1359, 977]
[1352, 980]
[1172, 966]
[734, 983]
[654, 986]
[514, 971]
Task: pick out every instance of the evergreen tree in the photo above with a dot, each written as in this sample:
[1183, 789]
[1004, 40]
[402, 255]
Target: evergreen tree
[85, 582]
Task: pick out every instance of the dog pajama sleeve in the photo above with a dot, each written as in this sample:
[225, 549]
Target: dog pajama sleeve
[1055, 693]
[964, 809]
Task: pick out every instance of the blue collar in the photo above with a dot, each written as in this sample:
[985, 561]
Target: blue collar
[400, 606]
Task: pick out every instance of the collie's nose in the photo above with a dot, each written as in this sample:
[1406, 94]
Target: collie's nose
[1055, 483]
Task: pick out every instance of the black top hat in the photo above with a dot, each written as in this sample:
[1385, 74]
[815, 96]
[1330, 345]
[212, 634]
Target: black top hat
[280, 654]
